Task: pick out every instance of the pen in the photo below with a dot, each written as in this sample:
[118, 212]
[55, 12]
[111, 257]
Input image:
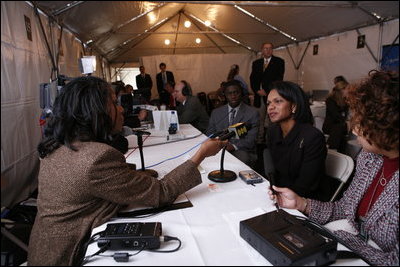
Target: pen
[271, 176]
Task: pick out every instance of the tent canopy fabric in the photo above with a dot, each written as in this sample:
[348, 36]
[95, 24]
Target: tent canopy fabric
[124, 31]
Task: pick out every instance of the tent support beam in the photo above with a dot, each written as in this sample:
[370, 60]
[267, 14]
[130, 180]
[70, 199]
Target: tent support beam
[107, 34]
[209, 38]
[67, 7]
[155, 26]
[45, 38]
[367, 46]
[302, 57]
[177, 29]
[224, 35]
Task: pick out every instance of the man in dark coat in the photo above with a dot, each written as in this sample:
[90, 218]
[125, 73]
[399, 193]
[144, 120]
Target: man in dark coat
[162, 78]
[144, 84]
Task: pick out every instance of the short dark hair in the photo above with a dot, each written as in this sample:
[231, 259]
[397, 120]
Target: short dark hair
[80, 113]
[162, 64]
[294, 94]
[234, 83]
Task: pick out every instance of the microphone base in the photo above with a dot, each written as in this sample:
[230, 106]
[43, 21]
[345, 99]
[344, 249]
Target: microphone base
[150, 172]
[222, 177]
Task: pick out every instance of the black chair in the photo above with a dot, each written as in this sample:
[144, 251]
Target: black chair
[203, 100]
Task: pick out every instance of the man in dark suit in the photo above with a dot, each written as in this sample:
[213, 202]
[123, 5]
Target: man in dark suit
[144, 84]
[190, 109]
[265, 71]
[233, 112]
[162, 78]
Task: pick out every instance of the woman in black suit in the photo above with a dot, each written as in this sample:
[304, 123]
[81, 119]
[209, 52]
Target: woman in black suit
[297, 148]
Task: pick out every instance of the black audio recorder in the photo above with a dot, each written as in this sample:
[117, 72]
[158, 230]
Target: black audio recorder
[284, 239]
[134, 236]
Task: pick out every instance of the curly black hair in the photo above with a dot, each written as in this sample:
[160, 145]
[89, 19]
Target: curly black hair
[375, 109]
[79, 113]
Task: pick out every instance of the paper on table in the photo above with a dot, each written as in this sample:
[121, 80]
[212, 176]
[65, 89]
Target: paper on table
[134, 207]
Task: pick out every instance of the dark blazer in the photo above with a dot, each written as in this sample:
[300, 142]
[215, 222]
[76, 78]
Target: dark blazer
[144, 85]
[193, 112]
[219, 121]
[80, 190]
[335, 125]
[164, 94]
[382, 220]
[262, 80]
[299, 158]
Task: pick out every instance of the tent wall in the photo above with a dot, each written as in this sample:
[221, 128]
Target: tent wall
[337, 55]
[204, 72]
[24, 65]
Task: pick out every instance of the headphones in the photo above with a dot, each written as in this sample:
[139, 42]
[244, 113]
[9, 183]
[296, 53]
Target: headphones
[186, 90]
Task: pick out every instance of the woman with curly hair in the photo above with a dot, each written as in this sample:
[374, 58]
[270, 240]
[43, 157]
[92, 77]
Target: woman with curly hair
[371, 202]
[84, 179]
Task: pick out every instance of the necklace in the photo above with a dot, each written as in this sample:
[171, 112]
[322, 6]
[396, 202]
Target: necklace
[382, 181]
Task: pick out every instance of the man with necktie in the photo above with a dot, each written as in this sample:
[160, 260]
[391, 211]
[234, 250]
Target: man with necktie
[163, 77]
[144, 84]
[264, 72]
[233, 112]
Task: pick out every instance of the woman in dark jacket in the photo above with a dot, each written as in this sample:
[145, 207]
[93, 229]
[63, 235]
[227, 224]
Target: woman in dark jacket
[298, 149]
[335, 124]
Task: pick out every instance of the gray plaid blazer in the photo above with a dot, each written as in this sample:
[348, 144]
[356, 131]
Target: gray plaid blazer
[382, 222]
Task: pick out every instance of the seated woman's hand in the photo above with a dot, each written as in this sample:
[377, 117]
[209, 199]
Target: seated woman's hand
[207, 149]
[286, 198]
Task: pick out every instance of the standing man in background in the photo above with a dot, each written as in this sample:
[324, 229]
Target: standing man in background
[144, 84]
[162, 78]
[264, 71]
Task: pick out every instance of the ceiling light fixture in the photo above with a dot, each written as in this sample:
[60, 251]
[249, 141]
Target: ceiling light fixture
[167, 41]
[187, 24]
[207, 23]
[198, 40]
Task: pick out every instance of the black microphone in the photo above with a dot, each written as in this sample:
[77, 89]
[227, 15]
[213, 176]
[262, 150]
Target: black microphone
[236, 131]
[216, 134]
[139, 134]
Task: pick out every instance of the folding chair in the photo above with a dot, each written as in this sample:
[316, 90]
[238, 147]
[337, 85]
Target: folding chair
[338, 166]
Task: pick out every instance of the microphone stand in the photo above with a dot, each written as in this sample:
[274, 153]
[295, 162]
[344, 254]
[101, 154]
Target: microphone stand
[221, 175]
[150, 172]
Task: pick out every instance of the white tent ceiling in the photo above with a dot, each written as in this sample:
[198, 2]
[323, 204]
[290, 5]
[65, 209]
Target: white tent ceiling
[123, 31]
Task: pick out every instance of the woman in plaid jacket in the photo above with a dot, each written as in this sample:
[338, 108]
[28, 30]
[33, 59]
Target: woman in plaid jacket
[371, 203]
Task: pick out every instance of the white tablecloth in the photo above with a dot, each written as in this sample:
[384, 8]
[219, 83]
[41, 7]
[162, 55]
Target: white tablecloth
[209, 230]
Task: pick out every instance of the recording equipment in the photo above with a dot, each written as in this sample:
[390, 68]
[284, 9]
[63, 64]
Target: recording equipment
[237, 130]
[250, 177]
[284, 239]
[139, 135]
[134, 236]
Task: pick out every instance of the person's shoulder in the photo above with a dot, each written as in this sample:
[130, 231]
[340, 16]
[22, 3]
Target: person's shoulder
[278, 59]
[249, 109]
[218, 111]
[310, 131]
[258, 60]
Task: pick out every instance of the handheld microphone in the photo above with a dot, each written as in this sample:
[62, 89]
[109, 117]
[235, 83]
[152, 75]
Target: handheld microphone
[236, 131]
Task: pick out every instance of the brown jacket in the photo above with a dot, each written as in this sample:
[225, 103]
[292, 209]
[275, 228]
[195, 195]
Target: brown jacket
[80, 190]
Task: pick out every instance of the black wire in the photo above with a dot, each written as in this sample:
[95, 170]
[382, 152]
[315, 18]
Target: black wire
[166, 239]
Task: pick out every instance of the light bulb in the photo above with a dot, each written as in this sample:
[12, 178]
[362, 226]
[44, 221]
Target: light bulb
[167, 41]
[198, 40]
[187, 24]
[207, 23]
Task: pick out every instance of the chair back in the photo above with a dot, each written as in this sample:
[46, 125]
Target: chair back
[338, 166]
